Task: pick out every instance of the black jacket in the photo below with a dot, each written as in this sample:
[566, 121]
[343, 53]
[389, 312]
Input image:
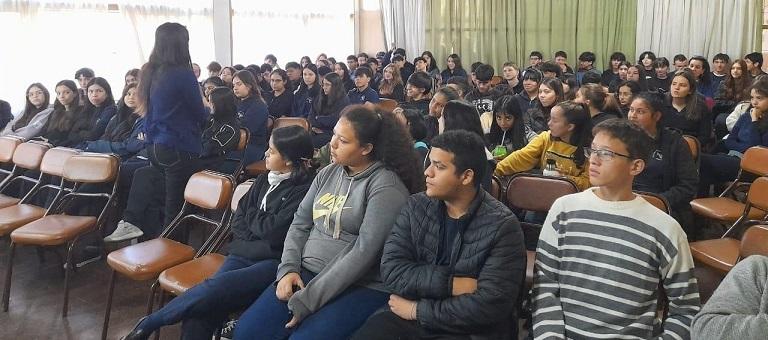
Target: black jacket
[490, 249]
[259, 234]
[5, 114]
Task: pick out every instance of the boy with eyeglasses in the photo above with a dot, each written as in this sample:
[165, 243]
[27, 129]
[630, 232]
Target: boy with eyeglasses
[604, 253]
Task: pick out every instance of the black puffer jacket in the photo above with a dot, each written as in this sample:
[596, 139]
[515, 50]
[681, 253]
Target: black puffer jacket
[259, 234]
[490, 249]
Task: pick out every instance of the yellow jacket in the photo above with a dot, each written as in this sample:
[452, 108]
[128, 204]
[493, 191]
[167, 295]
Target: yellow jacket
[541, 148]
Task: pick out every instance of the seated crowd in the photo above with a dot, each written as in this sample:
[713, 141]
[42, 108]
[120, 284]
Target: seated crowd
[374, 224]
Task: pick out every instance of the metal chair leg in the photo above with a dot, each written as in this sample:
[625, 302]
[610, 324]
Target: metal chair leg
[8, 273]
[163, 295]
[151, 302]
[112, 279]
[67, 273]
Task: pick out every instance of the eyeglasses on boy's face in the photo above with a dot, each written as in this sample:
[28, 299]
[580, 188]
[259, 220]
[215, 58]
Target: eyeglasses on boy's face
[603, 155]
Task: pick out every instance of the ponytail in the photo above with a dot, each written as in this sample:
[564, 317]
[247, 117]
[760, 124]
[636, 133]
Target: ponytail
[578, 115]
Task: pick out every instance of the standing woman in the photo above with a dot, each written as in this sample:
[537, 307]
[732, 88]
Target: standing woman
[391, 85]
[306, 93]
[252, 113]
[169, 96]
[327, 109]
[453, 69]
[30, 122]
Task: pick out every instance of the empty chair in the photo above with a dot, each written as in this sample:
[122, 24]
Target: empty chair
[723, 253]
[25, 157]
[8, 146]
[146, 260]
[58, 227]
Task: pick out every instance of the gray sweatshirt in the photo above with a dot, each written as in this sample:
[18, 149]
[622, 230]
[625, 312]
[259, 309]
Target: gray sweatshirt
[739, 307]
[33, 129]
[339, 232]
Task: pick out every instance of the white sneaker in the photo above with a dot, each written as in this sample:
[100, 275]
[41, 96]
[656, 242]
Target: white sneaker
[124, 231]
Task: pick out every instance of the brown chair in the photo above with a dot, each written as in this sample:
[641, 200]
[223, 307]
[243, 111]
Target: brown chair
[695, 146]
[207, 190]
[14, 216]
[242, 144]
[386, 104]
[725, 208]
[178, 279]
[260, 167]
[723, 253]
[496, 188]
[26, 156]
[656, 200]
[496, 80]
[8, 146]
[270, 124]
[58, 228]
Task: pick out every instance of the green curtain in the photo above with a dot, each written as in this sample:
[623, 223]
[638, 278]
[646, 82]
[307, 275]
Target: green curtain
[496, 31]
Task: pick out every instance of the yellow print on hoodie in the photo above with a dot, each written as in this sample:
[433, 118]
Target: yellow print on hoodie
[327, 204]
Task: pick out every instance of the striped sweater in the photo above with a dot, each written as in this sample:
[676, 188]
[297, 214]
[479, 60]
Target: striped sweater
[599, 265]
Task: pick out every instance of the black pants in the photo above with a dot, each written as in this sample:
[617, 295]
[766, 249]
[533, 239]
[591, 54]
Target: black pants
[176, 167]
[386, 325]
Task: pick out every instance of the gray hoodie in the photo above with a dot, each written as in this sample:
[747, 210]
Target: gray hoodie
[339, 232]
[33, 129]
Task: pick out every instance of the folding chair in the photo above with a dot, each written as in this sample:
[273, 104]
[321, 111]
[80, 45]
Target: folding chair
[260, 167]
[25, 157]
[722, 254]
[695, 146]
[656, 200]
[8, 146]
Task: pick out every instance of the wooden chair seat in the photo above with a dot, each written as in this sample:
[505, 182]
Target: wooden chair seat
[15, 216]
[7, 201]
[178, 279]
[723, 209]
[146, 260]
[721, 254]
[53, 230]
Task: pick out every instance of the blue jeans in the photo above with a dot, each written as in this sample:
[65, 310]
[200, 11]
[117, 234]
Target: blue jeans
[338, 319]
[203, 308]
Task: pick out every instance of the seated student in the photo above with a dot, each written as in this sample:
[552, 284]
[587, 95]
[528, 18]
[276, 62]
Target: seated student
[398, 62]
[604, 252]
[252, 113]
[534, 59]
[751, 129]
[611, 74]
[391, 85]
[417, 93]
[214, 69]
[754, 63]
[306, 92]
[699, 67]
[345, 74]
[550, 94]
[462, 115]
[661, 81]
[613, 86]
[221, 132]
[561, 59]
[363, 93]
[327, 109]
[436, 106]
[680, 61]
[29, 123]
[452, 69]
[208, 86]
[66, 113]
[460, 85]
[634, 73]
[550, 70]
[280, 100]
[569, 133]
[511, 83]
[569, 86]
[670, 170]
[259, 227]
[294, 72]
[720, 64]
[483, 95]
[226, 75]
[264, 81]
[732, 91]
[6, 116]
[739, 307]
[508, 130]
[627, 91]
[455, 257]
[587, 65]
[685, 110]
[100, 107]
[333, 247]
[83, 77]
[121, 136]
[645, 64]
[529, 97]
[602, 106]
[414, 122]
[375, 65]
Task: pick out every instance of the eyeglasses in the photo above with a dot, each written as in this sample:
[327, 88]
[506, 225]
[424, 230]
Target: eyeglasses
[603, 155]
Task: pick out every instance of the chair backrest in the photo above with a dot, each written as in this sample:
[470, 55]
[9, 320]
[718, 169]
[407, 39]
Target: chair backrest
[29, 155]
[270, 124]
[55, 159]
[694, 145]
[496, 80]
[245, 136]
[386, 104]
[754, 241]
[758, 193]
[209, 190]
[755, 161]
[91, 168]
[536, 192]
[288, 121]
[240, 192]
[656, 200]
[8, 146]
[495, 188]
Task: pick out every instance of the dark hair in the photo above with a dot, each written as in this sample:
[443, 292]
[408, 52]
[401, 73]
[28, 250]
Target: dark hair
[214, 66]
[536, 54]
[305, 58]
[722, 56]
[132, 72]
[373, 60]
[660, 62]
[57, 105]
[238, 67]
[323, 70]
[313, 68]
[281, 73]
[363, 70]
[507, 104]
[484, 72]
[462, 115]
[468, 152]
[680, 57]
[265, 68]
[639, 144]
[561, 54]
[294, 143]
[416, 124]
[461, 82]
[456, 61]
[587, 56]
[533, 74]
[271, 57]
[578, 115]
[85, 72]
[391, 144]
[400, 51]
[421, 80]
[706, 76]
[573, 85]
[215, 80]
[363, 54]
[171, 50]
[397, 58]
[418, 59]
[599, 98]
[249, 80]
[224, 103]
[110, 100]
[692, 102]
[62, 119]
[755, 58]
[293, 64]
[737, 89]
[432, 62]
[648, 54]
[618, 56]
[30, 110]
[352, 56]
[448, 92]
[591, 78]
[654, 100]
[325, 103]
[331, 61]
[760, 86]
[121, 124]
[633, 86]
[345, 69]
[557, 86]
[474, 66]
[551, 67]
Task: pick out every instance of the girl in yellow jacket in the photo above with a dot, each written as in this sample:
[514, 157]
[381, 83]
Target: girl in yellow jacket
[570, 130]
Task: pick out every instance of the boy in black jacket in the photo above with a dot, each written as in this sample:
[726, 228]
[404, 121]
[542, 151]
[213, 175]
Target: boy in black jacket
[455, 259]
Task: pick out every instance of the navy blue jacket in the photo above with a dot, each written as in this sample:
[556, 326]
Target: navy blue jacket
[253, 114]
[101, 117]
[126, 148]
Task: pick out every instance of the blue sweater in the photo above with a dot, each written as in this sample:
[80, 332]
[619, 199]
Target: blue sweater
[126, 148]
[253, 115]
[745, 135]
[175, 115]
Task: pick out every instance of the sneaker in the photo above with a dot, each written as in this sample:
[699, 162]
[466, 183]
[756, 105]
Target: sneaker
[228, 331]
[124, 231]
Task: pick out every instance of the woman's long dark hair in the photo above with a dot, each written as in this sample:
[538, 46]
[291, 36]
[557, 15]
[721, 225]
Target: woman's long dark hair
[692, 109]
[62, 119]
[392, 145]
[123, 120]
[30, 110]
[294, 143]
[506, 104]
[578, 115]
[456, 62]
[738, 89]
[109, 101]
[171, 50]
[462, 115]
[432, 62]
[325, 103]
[224, 104]
[249, 80]
[706, 76]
